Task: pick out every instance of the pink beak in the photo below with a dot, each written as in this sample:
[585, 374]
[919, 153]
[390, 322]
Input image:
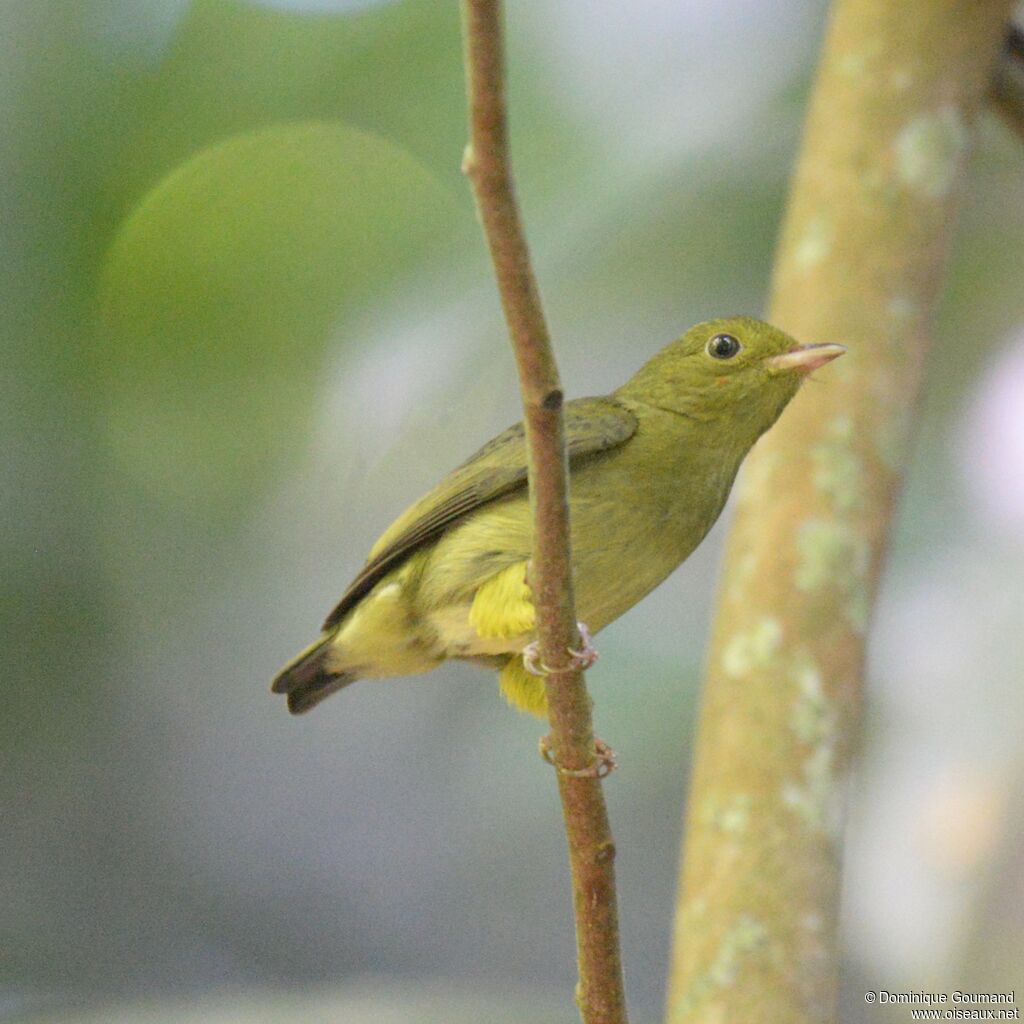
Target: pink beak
[805, 359]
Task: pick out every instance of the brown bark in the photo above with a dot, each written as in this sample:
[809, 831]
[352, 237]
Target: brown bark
[861, 259]
[487, 163]
[1008, 84]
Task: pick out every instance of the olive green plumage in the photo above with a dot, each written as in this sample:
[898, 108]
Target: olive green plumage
[651, 466]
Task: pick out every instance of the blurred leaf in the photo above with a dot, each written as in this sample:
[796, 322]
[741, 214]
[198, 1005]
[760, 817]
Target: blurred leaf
[234, 66]
[135, 31]
[220, 289]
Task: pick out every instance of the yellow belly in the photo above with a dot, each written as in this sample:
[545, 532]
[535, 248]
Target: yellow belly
[458, 637]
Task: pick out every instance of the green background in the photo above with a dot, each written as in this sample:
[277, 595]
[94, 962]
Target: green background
[245, 317]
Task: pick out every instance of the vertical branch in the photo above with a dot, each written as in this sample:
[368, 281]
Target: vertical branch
[591, 849]
[861, 260]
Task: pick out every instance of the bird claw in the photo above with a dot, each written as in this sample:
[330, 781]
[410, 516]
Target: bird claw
[605, 761]
[581, 659]
[587, 654]
[531, 660]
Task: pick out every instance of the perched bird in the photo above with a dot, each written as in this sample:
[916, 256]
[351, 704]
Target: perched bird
[651, 466]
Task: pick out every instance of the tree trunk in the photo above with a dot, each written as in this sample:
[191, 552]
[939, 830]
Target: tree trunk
[861, 260]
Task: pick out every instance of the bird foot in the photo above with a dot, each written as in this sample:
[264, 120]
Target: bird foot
[604, 764]
[581, 659]
[587, 654]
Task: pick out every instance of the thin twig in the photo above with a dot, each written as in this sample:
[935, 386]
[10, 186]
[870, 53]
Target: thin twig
[591, 849]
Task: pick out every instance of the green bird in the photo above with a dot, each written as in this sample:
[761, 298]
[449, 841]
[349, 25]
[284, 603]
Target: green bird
[651, 466]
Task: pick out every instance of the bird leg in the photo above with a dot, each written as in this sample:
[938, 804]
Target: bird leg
[581, 659]
[605, 761]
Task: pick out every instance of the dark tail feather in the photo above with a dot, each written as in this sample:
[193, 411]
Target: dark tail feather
[307, 681]
[308, 695]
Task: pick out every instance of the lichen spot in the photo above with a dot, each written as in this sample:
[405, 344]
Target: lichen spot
[746, 936]
[815, 798]
[730, 815]
[742, 942]
[814, 719]
[814, 244]
[930, 151]
[838, 473]
[829, 552]
[752, 649]
[834, 554]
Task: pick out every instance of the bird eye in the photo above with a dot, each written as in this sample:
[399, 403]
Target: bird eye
[723, 346]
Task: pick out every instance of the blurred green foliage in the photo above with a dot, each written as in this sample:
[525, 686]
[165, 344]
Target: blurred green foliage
[222, 286]
[245, 317]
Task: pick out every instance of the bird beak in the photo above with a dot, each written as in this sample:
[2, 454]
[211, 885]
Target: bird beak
[804, 359]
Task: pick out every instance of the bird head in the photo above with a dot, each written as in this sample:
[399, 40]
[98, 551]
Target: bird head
[737, 370]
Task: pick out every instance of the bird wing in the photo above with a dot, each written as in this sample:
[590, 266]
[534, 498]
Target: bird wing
[592, 425]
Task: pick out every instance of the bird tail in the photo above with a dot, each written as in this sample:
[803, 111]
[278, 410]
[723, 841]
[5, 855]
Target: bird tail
[307, 680]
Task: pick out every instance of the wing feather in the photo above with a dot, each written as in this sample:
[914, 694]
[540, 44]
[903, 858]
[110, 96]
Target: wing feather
[592, 425]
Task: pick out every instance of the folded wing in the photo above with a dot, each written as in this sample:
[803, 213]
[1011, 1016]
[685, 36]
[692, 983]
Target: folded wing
[592, 426]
